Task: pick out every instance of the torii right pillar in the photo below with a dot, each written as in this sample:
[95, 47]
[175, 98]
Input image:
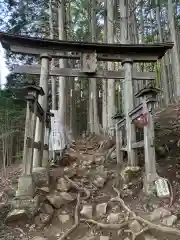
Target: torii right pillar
[40, 171]
[43, 101]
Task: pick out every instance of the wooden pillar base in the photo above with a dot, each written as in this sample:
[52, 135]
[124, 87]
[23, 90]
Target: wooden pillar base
[118, 147]
[45, 159]
[149, 184]
[27, 205]
[37, 153]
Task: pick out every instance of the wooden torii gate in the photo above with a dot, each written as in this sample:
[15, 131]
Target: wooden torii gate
[88, 54]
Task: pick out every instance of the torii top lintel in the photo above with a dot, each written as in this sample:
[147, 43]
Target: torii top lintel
[105, 52]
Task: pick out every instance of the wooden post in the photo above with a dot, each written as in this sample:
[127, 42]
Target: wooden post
[25, 182]
[46, 141]
[119, 140]
[40, 125]
[27, 141]
[45, 158]
[149, 148]
[148, 96]
[119, 152]
[128, 106]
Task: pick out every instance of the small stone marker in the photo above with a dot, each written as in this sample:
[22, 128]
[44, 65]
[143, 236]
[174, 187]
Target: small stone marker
[162, 188]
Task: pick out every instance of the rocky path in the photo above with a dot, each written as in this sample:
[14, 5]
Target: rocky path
[87, 199]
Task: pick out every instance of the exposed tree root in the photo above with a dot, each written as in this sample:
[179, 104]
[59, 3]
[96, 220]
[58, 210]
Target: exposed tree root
[110, 152]
[158, 227]
[131, 216]
[149, 224]
[105, 225]
[171, 193]
[135, 235]
[87, 192]
[76, 217]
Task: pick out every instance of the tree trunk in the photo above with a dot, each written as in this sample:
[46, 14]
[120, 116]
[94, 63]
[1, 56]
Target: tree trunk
[53, 79]
[175, 52]
[96, 127]
[111, 82]
[163, 63]
[62, 80]
[62, 83]
[104, 81]
[72, 110]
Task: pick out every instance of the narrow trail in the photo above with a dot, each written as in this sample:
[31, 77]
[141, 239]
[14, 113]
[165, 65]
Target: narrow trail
[87, 200]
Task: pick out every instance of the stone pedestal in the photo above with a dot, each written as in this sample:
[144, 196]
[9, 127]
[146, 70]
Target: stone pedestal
[30, 205]
[25, 200]
[41, 176]
[26, 187]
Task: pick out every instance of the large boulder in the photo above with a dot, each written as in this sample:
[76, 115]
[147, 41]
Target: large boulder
[63, 185]
[114, 218]
[135, 226]
[46, 208]
[101, 209]
[41, 177]
[159, 213]
[169, 221]
[17, 215]
[87, 211]
[58, 199]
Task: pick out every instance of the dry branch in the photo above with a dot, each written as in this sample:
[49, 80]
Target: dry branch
[107, 156]
[76, 217]
[105, 225]
[87, 192]
[135, 235]
[158, 227]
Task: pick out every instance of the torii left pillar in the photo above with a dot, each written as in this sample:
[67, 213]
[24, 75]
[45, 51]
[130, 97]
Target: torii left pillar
[43, 101]
[128, 106]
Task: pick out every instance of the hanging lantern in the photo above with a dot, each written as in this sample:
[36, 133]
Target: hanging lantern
[141, 121]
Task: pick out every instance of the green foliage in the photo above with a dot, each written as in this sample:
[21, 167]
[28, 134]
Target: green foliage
[12, 112]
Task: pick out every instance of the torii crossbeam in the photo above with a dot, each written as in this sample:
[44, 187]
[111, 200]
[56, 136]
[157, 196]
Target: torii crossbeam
[105, 52]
